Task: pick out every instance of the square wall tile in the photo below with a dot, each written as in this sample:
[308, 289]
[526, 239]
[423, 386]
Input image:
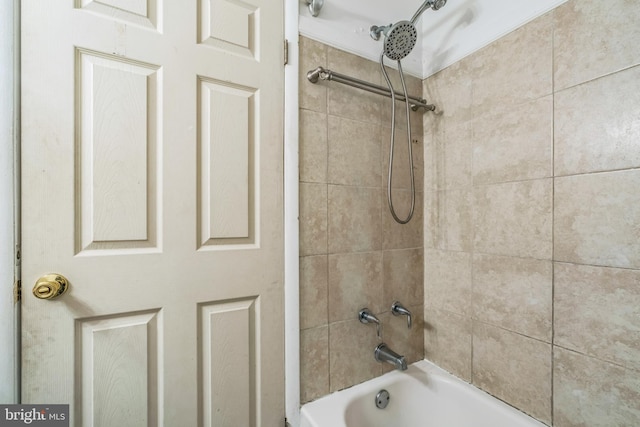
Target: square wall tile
[597, 217]
[313, 219]
[514, 368]
[597, 312]
[351, 356]
[355, 282]
[355, 66]
[594, 38]
[314, 363]
[433, 215]
[313, 291]
[313, 146]
[516, 68]
[401, 177]
[403, 276]
[450, 90]
[354, 219]
[514, 293]
[416, 117]
[597, 124]
[313, 54]
[354, 153]
[590, 392]
[402, 236]
[457, 222]
[448, 153]
[447, 341]
[514, 143]
[449, 220]
[349, 102]
[447, 283]
[514, 219]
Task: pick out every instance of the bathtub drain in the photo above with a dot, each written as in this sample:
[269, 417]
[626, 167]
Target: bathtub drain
[382, 399]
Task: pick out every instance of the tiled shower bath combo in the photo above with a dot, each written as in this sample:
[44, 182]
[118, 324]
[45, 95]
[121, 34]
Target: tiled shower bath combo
[524, 252]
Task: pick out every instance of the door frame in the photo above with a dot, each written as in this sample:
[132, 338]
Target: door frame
[291, 235]
[9, 212]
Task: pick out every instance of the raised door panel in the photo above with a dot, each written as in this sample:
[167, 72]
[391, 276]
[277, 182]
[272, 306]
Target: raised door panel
[117, 152]
[118, 377]
[145, 13]
[228, 370]
[230, 25]
[227, 173]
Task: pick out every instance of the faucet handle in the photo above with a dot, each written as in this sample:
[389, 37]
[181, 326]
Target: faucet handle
[366, 316]
[399, 310]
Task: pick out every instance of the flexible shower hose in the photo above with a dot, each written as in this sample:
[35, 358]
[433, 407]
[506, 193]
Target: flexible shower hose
[392, 144]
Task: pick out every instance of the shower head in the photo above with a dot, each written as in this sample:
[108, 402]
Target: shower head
[401, 37]
[400, 40]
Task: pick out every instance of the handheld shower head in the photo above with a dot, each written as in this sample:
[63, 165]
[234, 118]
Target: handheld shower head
[401, 37]
[400, 40]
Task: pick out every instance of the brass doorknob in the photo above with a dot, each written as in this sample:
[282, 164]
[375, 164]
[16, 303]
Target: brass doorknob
[50, 286]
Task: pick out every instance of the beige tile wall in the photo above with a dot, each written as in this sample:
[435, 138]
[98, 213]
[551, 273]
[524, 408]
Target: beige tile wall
[352, 252]
[532, 216]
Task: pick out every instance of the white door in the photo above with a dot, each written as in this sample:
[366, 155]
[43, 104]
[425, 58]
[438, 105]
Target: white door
[152, 180]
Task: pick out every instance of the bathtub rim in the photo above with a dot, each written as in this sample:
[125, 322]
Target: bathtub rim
[311, 410]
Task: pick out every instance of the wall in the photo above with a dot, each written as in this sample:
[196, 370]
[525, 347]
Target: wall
[352, 254]
[532, 213]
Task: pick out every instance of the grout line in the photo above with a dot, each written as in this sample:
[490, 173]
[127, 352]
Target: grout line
[495, 255]
[569, 175]
[513, 181]
[326, 124]
[488, 323]
[581, 264]
[602, 76]
[553, 210]
[473, 318]
[552, 176]
[599, 359]
[471, 370]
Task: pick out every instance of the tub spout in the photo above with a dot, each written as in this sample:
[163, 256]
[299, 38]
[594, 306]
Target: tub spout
[382, 353]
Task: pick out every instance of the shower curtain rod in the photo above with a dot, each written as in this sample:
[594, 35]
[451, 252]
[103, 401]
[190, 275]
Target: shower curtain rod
[324, 74]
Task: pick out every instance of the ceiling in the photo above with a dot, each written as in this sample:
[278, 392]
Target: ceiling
[458, 29]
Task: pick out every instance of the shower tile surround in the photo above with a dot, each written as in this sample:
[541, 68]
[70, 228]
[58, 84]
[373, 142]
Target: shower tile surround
[532, 216]
[352, 253]
[531, 220]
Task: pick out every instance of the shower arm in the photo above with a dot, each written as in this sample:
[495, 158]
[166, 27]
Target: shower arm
[420, 11]
[321, 73]
[433, 4]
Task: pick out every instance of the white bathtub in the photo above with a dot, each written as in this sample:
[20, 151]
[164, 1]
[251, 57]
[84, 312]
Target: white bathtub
[422, 396]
